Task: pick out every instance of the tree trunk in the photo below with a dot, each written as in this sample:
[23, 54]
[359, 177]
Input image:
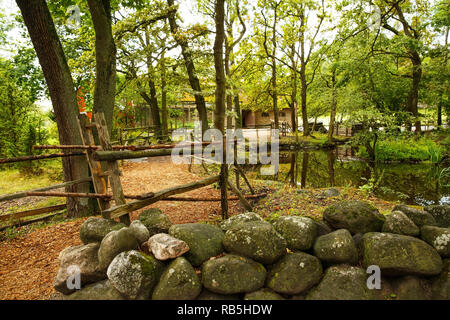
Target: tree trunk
[333, 108]
[164, 111]
[413, 96]
[189, 63]
[237, 110]
[274, 73]
[219, 114]
[105, 56]
[57, 75]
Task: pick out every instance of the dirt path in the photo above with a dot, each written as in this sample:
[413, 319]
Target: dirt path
[28, 264]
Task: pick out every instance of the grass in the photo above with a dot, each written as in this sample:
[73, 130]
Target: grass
[316, 139]
[14, 180]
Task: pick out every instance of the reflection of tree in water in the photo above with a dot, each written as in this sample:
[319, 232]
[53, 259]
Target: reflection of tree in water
[414, 183]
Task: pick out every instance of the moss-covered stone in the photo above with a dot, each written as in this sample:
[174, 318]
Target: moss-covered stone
[139, 230]
[178, 282]
[441, 215]
[233, 274]
[85, 257]
[399, 255]
[419, 217]
[134, 274]
[399, 223]
[322, 228]
[95, 229]
[204, 240]
[410, 288]
[294, 273]
[114, 243]
[336, 248]
[239, 218]
[355, 216]
[257, 240]
[263, 294]
[155, 221]
[102, 290]
[438, 238]
[299, 232]
[441, 284]
[342, 282]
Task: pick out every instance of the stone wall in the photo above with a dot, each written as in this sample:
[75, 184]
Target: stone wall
[354, 253]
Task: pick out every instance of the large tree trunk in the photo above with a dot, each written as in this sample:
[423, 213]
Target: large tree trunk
[237, 110]
[57, 75]
[189, 63]
[105, 56]
[274, 73]
[303, 76]
[413, 96]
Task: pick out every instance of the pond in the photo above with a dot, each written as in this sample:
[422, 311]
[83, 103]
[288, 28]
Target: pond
[414, 184]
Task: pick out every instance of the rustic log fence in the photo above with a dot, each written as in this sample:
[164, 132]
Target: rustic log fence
[96, 156]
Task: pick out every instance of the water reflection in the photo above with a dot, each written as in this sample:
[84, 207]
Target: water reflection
[412, 183]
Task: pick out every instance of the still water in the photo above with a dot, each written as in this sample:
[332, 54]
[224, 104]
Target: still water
[415, 184]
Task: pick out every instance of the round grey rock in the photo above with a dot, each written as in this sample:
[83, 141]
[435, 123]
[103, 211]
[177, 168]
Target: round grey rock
[399, 223]
[256, 240]
[114, 243]
[438, 238]
[294, 273]
[178, 282]
[83, 259]
[336, 247]
[342, 282]
[355, 216]
[299, 232]
[233, 274]
[140, 231]
[441, 215]
[155, 221]
[204, 240]
[102, 290]
[399, 255]
[239, 218]
[95, 229]
[419, 217]
[263, 294]
[134, 274]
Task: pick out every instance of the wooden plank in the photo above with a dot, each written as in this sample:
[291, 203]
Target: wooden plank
[69, 195]
[118, 211]
[113, 167]
[32, 212]
[41, 156]
[23, 194]
[23, 223]
[98, 179]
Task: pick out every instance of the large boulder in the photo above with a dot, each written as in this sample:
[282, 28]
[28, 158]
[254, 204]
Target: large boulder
[95, 229]
[398, 222]
[342, 282]
[441, 215]
[263, 294]
[166, 247]
[83, 259]
[336, 248]
[139, 230]
[419, 217]
[257, 240]
[299, 232]
[441, 284]
[294, 273]
[233, 274]
[114, 243]
[134, 274]
[102, 290]
[239, 218]
[409, 288]
[355, 216]
[399, 255]
[437, 237]
[204, 240]
[155, 221]
[178, 282]
[322, 228]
